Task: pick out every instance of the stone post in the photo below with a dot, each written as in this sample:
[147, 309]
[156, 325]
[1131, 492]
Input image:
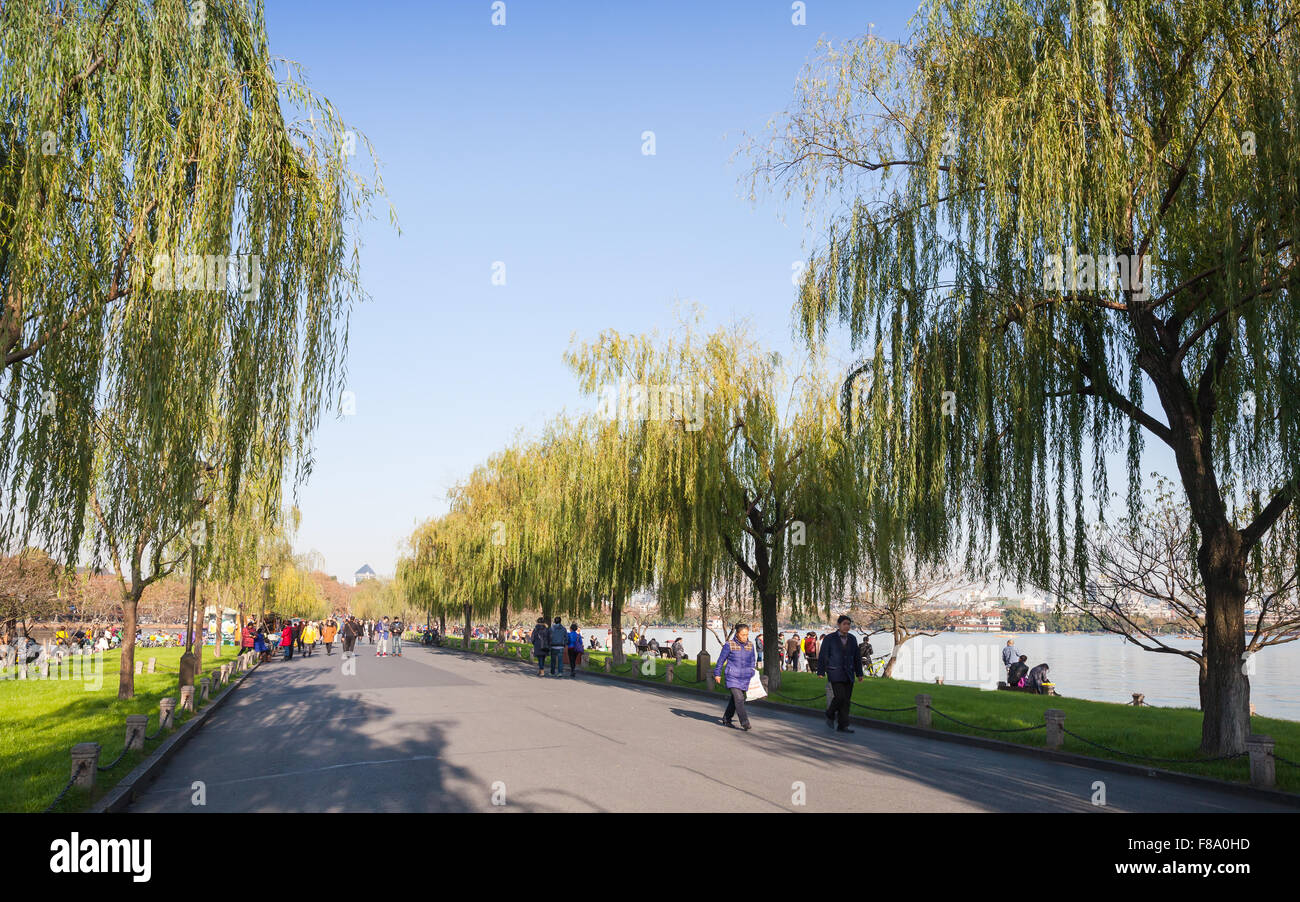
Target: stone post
[85, 761]
[205, 689]
[609, 664]
[704, 667]
[670, 670]
[135, 729]
[1055, 718]
[153, 663]
[187, 698]
[1262, 766]
[45, 668]
[166, 713]
[923, 711]
[139, 667]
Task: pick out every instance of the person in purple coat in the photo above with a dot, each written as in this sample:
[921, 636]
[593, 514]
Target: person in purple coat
[740, 658]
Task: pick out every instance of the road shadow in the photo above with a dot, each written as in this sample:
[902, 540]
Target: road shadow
[296, 739]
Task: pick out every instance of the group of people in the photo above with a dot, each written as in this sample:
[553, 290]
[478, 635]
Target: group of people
[555, 642]
[1021, 676]
[650, 646]
[839, 659]
[304, 636]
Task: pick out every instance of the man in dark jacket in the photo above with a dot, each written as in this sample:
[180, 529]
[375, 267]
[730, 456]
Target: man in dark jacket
[1018, 672]
[541, 644]
[559, 642]
[1037, 677]
[839, 661]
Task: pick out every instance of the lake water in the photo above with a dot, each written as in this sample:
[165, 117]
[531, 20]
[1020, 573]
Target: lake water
[1101, 668]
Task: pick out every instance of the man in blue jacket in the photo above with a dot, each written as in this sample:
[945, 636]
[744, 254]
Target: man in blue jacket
[839, 662]
[740, 658]
[559, 641]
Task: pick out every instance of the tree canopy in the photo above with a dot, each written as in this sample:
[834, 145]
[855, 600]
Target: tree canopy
[1077, 220]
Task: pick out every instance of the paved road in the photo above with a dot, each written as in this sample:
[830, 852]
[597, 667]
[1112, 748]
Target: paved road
[441, 731]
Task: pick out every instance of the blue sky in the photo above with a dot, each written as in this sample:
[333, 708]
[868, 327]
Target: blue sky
[522, 144]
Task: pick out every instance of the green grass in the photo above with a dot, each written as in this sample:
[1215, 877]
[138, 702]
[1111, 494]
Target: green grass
[41, 720]
[1152, 732]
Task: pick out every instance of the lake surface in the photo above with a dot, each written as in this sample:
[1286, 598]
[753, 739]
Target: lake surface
[1101, 668]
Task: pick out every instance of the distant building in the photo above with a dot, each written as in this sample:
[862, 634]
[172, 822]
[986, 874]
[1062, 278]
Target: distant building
[366, 572]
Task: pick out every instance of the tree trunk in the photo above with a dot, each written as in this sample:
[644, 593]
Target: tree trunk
[469, 628]
[899, 639]
[1225, 689]
[126, 672]
[616, 629]
[442, 625]
[504, 616]
[548, 609]
[771, 644]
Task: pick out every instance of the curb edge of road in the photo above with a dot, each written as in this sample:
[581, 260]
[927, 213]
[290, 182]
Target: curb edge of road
[1142, 770]
[125, 792]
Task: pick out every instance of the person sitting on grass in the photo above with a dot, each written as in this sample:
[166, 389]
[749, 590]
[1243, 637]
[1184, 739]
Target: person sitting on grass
[1017, 673]
[1038, 681]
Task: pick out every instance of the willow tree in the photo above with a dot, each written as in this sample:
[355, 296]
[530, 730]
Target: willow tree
[737, 469]
[1078, 219]
[424, 571]
[176, 244]
[500, 499]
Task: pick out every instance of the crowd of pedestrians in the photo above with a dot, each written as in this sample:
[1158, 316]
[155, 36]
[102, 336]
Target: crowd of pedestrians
[304, 636]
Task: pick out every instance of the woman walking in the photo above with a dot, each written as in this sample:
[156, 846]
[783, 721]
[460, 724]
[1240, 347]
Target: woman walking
[574, 649]
[286, 641]
[309, 637]
[327, 636]
[541, 644]
[741, 659]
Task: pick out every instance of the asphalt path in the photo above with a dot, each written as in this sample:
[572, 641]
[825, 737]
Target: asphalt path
[439, 730]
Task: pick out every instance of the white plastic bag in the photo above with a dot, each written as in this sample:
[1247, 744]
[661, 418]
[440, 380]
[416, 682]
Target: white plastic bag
[755, 690]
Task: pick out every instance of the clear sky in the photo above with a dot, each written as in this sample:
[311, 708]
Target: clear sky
[522, 144]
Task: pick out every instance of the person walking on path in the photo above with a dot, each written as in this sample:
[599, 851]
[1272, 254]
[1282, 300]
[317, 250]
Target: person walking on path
[247, 637]
[327, 635]
[299, 627]
[370, 631]
[575, 649]
[381, 633]
[839, 661]
[349, 635]
[260, 646]
[286, 641]
[740, 659]
[559, 642]
[810, 652]
[792, 651]
[541, 644]
[311, 635]
[396, 628]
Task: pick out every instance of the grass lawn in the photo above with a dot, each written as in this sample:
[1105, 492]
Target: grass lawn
[41, 720]
[1151, 732]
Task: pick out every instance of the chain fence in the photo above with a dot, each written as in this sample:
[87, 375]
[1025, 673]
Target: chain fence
[1041, 726]
[81, 767]
[1148, 757]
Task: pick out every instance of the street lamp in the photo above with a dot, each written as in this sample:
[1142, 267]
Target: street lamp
[266, 590]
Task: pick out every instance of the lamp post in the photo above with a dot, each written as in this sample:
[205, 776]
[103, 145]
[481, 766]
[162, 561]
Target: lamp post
[266, 591]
